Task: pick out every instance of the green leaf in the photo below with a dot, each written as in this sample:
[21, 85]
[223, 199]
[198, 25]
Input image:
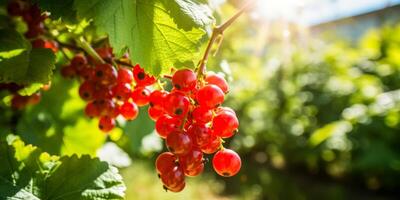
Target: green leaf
[21, 64]
[61, 128]
[30, 89]
[27, 173]
[160, 34]
[59, 9]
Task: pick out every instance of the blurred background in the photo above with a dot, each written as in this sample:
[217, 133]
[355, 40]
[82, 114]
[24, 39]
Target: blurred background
[316, 87]
[315, 84]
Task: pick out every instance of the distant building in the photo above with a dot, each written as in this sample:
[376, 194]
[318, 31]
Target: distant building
[351, 18]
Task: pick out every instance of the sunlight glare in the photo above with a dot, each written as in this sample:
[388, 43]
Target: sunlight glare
[278, 9]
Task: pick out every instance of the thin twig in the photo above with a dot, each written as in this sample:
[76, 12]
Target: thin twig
[89, 50]
[218, 31]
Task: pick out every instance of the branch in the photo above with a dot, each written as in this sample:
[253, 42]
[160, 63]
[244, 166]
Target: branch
[218, 32]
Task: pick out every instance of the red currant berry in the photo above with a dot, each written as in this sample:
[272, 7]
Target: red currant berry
[141, 96]
[106, 124]
[166, 124]
[34, 98]
[38, 43]
[200, 133]
[213, 145]
[225, 124]
[105, 53]
[86, 91]
[91, 110]
[51, 44]
[142, 79]
[86, 73]
[210, 96]
[192, 159]
[217, 80]
[125, 75]
[178, 188]
[226, 162]
[68, 71]
[202, 115]
[79, 60]
[179, 143]
[122, 91]
[178, 104]
[105, 74]
[184, 80]
[19, 102]
[165, 162]
[107, 108]
[195, 171]
[155, 113]
[129, 110]
[103, 92]
[157, 98]
[173, 179]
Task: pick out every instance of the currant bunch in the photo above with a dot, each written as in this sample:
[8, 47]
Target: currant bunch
[33, 17]
[109, 90]
[192, 121]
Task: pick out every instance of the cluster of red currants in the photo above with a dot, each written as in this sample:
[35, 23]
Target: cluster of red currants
[192, 122]
[33, 17]
[109, 91]
[18, 101]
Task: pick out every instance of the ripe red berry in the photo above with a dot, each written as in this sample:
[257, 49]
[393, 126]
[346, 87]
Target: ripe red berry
[191, 160]
[200, 133]
[141, 96]
[225, 124]
[166, 125]
[210, 96]
[107, 108]
[195, 171]
[19, 102]
[91, 110]
[173, 179]
[105, 74]
[125, 75]
[156, 99]
[86, 72]
[79, 61]
[129, 110]
[122, 91]
[38, 43]
[226, 162]
[68, 71]
[217, 80]
[86, 91]
[34, 98]
[165, 162]
[103, 92]
[178, 188]
[155, 113]
[202, 115]
[184, 80]
[51, 44]
[213, 145]
[105, 53]
[106, 124]
[177, 104]
[179, 143]
[142, 79]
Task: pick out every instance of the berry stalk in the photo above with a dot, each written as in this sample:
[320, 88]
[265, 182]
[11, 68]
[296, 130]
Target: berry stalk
[217, 36]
